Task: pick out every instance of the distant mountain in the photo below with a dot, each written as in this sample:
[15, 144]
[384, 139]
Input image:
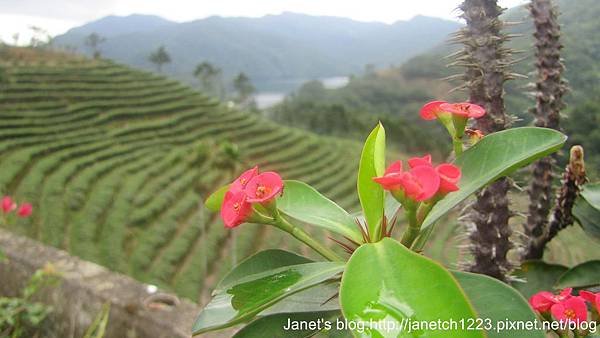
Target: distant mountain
[270, 48]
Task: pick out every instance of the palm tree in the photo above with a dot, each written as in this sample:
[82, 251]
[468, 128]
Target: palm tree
[160, 57]
[210, 78]
[93, 41]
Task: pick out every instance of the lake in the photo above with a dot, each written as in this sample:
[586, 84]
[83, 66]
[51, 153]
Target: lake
[274, 92]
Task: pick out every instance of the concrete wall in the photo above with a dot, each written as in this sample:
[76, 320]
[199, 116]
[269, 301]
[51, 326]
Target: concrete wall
[84, 288]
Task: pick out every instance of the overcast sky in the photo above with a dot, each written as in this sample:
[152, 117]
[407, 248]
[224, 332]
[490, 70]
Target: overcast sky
[57, 16]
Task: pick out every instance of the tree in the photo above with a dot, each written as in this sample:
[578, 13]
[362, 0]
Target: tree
[15, 38]
[243, 88]
[210, 78]
[160, 57]
[93, 41]
[39, 36]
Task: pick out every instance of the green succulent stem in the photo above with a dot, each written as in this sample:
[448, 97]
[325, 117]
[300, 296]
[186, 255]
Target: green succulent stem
[457, 146]
[414, 227]
[283, 224]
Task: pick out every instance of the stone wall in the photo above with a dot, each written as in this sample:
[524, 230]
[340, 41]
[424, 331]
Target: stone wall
[84, 287]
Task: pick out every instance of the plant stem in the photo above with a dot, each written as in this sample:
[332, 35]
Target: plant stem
[305, 238]
[414, 227]
[458, 146]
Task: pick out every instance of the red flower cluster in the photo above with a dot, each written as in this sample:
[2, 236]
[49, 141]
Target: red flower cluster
[9, 205]
[251, 187]
[422, 181]
[564, 306]
[433, 109]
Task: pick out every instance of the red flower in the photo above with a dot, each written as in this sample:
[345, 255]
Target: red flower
[240, 183]
[421, 183]
[25, 210]
[449, 177]
[391, 179]
[417, 161]
[431, 109]
[593, 298]
[264, 187]
[8, 204]
[464, 109]
[570, 310]
[543, 301]
[235, 209]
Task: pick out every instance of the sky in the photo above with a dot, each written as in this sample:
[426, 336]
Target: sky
[57, 16]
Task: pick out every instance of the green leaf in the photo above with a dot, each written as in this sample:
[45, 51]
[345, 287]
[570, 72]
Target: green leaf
[537, 276]
[289, 325]
[215, 200]
[317, 299]
[372, 164]
[239, 299]
[306, 204]
[497, 304]
[497, 155]
[98, 327]
[583, 275]
[385, 281]
[587, 209]
[260, 262]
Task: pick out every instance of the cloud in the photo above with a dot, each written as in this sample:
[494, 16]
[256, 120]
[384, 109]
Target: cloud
[69, 10]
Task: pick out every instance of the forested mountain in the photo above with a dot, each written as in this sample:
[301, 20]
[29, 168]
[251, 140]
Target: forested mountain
[273, 47]
[396, 93]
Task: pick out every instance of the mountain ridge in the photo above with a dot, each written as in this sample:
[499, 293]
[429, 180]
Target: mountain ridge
[273, 47]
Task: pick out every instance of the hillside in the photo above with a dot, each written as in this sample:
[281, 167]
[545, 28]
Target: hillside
[273, 47]
[117, 162]
[394, 92]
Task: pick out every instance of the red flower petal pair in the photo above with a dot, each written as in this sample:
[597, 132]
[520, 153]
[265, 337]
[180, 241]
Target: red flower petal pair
[431, 110]
[593, 298]
[250, 187]
[543, 301]
[8, 205]
[25, 210]
[422, 181]
[570, 310]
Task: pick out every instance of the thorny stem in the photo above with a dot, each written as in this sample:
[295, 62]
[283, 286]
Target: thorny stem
[301, 235]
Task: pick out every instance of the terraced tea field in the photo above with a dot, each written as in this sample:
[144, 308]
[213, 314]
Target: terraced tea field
[118, 161]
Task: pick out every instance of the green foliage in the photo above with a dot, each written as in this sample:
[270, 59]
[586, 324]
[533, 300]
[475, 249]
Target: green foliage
[98, 327]
[387, 281]
[584, 275]
[536, 276]
[496, 302]
[117, 162]
[587, 209]
[302, 202]
[22, 316]
[242, 299]
[352, 111]
[496, 155]
[370, 193]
